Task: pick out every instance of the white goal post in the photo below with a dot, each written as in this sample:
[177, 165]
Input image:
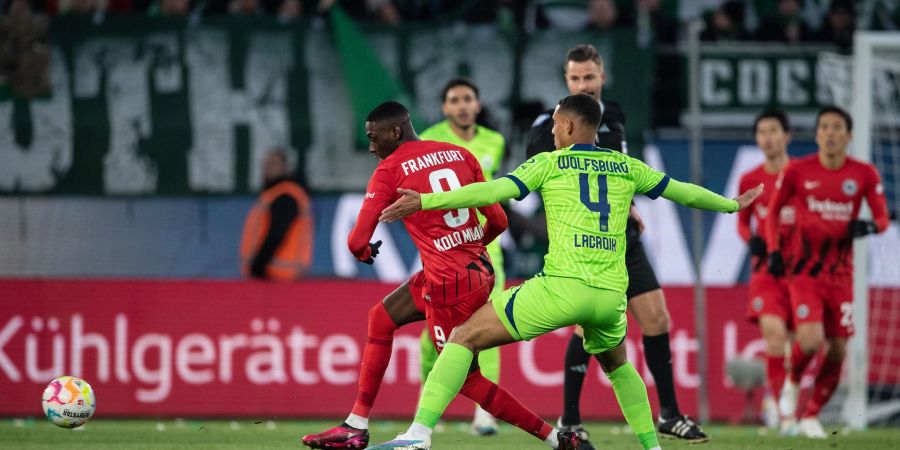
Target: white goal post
[868, 84]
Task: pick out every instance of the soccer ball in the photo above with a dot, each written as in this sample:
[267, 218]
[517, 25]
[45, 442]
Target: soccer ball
[68, 402]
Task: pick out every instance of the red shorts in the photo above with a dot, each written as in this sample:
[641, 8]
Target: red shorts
[441, 320]
[828, 301]
[769, 295]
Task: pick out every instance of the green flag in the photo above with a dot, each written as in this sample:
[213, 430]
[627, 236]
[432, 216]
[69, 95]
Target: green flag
[368, 80]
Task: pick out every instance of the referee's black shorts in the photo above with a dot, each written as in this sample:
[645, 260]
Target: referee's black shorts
[641, 278]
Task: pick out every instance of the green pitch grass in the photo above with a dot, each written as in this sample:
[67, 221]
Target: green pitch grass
[196, 434]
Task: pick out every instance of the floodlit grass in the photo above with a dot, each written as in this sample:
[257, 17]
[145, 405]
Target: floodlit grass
[246, 434]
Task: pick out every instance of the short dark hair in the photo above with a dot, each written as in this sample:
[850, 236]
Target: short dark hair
[582, 53]
[584, 106]
[388, 111]
[839, 111]
[773, 113]
[456, 82]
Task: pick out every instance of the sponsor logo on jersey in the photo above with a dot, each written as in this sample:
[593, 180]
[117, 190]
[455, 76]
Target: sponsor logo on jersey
[830, 209]
[849, 186]
[810, 185]
[370, 195]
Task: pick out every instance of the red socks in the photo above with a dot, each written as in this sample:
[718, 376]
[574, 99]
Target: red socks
[775, 372]
[799, 361]
[375, 359]
[826, 383]
[502, 405]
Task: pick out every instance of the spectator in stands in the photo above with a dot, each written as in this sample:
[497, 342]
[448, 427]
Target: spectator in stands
[378, 10]
[24, 53]
[839, 24]
[786, 25]
[245, 8]
[169, 8]
[482, 12]
[278, 232]
[563, 15]
[74, 7]
[883, 15]
[385, 11]
[649, 13]
[602, 14]
[725, 23]
[290, 11]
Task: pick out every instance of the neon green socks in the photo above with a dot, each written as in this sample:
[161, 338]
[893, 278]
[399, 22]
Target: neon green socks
[632, 396]
[445, 381]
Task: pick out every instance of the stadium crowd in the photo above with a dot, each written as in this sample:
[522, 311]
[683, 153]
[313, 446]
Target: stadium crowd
[831, 21]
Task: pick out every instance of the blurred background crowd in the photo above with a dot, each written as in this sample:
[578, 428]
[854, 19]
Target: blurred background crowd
[24, 52]
[831, 21]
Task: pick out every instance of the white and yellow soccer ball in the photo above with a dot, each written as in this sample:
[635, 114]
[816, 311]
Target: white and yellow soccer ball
[68, 402]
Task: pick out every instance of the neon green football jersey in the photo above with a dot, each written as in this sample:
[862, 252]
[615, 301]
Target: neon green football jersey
[587, 195]
[488, 145]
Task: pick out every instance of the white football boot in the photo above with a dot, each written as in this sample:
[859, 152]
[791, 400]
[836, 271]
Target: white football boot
[484, 424]
[403, 442]
[787, 401]
[811, 428]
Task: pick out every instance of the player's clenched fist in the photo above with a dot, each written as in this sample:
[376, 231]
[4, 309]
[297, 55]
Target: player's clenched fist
[373, 247]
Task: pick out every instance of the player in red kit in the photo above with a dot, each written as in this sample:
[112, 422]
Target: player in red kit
[826, 189]
[770, 304]
[456, 279]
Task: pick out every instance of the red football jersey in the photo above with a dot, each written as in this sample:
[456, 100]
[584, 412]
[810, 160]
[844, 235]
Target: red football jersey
[825, 202]
[752, 220]
[451, 243]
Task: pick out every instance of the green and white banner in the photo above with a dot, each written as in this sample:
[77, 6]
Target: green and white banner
[152, 107]
[737, 81]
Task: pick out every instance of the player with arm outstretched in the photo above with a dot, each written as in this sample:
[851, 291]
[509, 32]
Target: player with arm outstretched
[461, 105]
[584, 74]
[587, 194]
[456, 278]
[826, 190]
[770, 303]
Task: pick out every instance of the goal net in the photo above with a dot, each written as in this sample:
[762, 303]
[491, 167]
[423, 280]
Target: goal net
[868, 85]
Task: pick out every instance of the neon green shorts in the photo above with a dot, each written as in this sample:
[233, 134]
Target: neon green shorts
[544, 304]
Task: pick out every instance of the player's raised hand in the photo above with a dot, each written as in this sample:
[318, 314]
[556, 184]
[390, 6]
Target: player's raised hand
[409, 203]
[744, 200]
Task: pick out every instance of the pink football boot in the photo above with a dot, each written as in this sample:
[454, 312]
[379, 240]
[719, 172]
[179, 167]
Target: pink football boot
[341, 436]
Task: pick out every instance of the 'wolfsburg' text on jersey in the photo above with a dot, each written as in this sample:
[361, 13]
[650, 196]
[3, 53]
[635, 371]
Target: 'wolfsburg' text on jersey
[587, 195]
